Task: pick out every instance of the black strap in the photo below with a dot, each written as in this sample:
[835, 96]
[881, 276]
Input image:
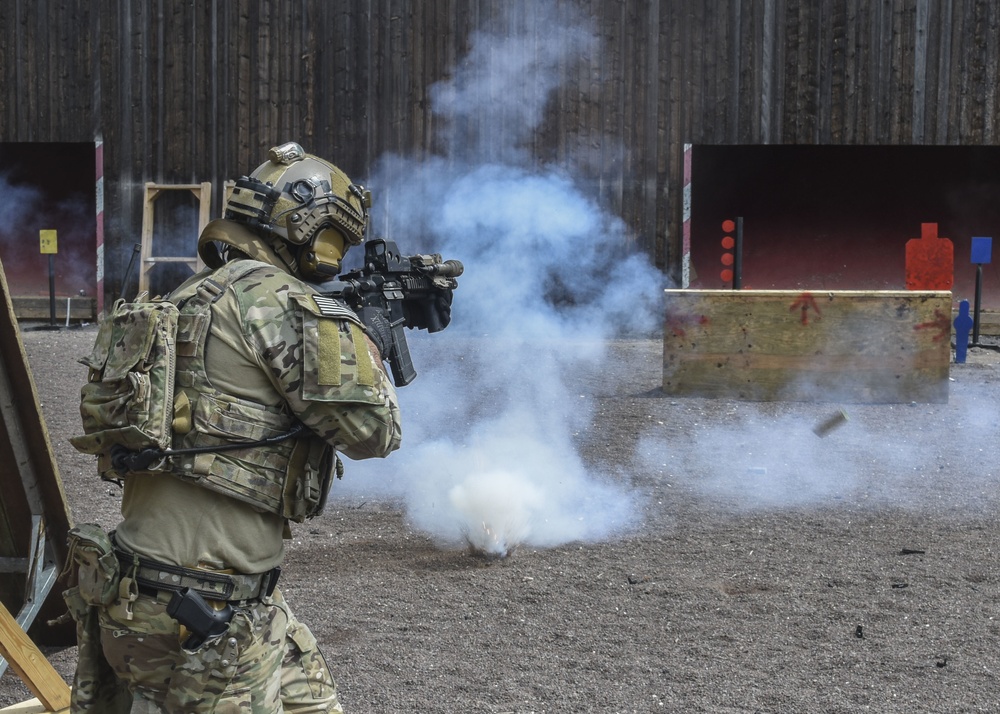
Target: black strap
[125, 460]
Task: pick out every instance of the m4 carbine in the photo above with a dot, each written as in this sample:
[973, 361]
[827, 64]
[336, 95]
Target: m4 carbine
[394, 291]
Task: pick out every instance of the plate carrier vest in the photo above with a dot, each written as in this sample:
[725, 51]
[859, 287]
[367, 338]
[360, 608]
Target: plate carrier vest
[149, 390]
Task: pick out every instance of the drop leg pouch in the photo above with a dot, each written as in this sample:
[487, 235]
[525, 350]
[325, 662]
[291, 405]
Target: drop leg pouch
[96, 688]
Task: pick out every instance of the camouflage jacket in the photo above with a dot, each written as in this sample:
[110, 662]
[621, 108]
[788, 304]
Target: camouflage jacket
[259, 351]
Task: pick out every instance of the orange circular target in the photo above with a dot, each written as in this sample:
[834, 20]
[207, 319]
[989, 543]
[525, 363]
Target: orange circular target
[728, 242]
[728, 226]
[726, 275]
[727, 259]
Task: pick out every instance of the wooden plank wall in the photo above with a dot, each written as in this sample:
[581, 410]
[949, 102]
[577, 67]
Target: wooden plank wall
[187, 92]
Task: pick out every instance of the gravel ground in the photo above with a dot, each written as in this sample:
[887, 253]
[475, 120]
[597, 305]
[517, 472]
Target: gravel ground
[768, 569]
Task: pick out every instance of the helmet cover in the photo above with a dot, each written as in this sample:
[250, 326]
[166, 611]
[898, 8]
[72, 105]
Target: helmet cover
[306, 202]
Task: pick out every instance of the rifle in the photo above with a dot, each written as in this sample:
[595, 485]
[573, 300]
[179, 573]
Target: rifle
[398, 291]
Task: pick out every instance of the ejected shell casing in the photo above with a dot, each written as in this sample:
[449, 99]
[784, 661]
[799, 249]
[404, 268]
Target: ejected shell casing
[830, 423]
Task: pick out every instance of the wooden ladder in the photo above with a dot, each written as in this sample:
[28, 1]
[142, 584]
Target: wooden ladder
[203, 191]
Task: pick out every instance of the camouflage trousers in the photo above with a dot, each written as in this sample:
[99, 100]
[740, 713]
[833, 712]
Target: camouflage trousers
[267, 663]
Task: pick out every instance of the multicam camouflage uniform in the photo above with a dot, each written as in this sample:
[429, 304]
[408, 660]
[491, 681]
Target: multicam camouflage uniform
[272, 355]
[267, 662]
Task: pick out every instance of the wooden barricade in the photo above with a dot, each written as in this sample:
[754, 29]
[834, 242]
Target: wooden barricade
[836, 346]
[53, 694]
[34, 517]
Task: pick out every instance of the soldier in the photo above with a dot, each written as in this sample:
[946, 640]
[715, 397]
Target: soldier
[271, 382]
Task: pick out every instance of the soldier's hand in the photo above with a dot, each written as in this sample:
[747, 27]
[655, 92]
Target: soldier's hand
[379, 331]
[435, 312]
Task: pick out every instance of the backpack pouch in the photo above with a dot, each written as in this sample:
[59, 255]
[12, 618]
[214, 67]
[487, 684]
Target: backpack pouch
[128, 399]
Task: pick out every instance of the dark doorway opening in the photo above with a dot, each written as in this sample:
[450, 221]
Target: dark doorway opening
[839, 217]
[46, 187]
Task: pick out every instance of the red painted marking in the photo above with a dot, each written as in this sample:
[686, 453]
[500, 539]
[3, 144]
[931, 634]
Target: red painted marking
[941, 322]
[677, 322]
[803, 303]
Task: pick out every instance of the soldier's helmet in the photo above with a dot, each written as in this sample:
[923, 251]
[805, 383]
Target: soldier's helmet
[306, 202]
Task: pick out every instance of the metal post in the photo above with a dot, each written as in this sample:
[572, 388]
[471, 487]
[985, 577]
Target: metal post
[738, 256]
[52, 289]
[128, 271]
[979, 301]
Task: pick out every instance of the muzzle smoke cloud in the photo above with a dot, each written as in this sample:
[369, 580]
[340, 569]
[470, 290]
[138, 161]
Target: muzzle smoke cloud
[489, 457]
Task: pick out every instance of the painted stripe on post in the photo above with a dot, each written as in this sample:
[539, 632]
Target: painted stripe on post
[686, 224]
[99, 162]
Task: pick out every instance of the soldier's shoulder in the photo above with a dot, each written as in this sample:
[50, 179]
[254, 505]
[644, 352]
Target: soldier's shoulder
[258, 280]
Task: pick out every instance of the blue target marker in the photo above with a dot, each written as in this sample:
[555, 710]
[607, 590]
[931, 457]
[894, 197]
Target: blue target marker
[963, 323]
[982, 249]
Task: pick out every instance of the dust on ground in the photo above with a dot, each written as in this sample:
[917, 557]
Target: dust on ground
[768, 571]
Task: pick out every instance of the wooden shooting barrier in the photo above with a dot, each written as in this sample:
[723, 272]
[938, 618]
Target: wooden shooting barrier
[52, 693]
[34, 518]
[831, 346]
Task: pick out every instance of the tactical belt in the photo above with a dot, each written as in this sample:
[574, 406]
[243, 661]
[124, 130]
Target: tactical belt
[152, 576]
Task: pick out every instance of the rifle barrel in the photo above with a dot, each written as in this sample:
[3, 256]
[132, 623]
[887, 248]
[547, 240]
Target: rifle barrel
[447, 269]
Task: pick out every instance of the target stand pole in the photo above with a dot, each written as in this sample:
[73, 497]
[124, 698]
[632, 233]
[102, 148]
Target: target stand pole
[979, 302]
[738, 255]
[49, 245]
[52, 290]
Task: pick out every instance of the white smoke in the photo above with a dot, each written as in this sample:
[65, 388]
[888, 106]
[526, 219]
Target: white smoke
[756, 459]
[769, 456]
[503, 84]
[490, 449]
[19, 205]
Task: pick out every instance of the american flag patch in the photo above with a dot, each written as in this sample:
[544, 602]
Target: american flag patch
[331, 307]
